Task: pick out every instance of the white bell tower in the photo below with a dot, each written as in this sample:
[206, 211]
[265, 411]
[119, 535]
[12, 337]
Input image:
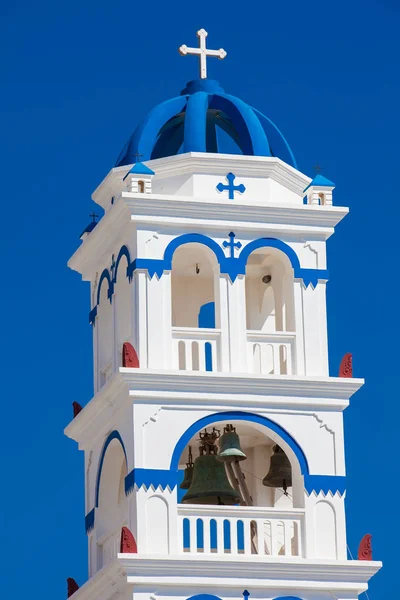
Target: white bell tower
[208, 275]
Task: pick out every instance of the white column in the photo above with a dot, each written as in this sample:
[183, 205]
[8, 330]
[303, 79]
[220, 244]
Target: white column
[299, 326]
[159, 337]
[315, 334]
[140, 321]
[237, 325]
[96, 374]
[221, 317]
[322, 328]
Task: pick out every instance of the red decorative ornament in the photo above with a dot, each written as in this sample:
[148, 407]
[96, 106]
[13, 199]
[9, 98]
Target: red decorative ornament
[76, 407]
[129, 356]
[346, 366]
[72, 586]
[365, 548]
[128, 542]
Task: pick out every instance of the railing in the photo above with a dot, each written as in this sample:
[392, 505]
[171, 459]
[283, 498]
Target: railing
[196, 349]
[240, 530]
[270, 353]
[109, 546]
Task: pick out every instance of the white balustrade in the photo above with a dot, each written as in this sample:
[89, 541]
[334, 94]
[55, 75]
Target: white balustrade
[240, 530]
[270, 353]
[109, 546]
[196, 349]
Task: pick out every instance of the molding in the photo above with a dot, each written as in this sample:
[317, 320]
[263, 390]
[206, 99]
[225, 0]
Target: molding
[226, 390]
[249, 572]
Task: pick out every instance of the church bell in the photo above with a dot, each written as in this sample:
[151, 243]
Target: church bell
[229, 446]
[280, 471]
[187, 479]
[210, 484]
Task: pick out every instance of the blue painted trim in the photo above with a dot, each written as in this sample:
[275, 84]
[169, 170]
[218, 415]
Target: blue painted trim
[242, 416]
[204, 597]
[148, 477]
[105, 275]
[89, 521]
[325, 484]
[114, 435]
[93, 315]
[287, 598]
[123, 252]
[139, 169]
[229, 265]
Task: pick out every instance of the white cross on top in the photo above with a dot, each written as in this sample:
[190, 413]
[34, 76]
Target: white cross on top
[202, 52]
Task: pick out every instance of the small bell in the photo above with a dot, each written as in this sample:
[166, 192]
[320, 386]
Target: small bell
[280, 471]
[187, 479]
[229, 446]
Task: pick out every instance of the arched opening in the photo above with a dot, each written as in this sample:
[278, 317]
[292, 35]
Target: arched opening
[141, 187]
[321, 197]
[104, 323]
[248, 468]
[123, 308]
[195, 289]
[112, 509]
[269, 310]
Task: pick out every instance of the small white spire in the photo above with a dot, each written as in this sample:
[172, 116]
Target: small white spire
[202, 52]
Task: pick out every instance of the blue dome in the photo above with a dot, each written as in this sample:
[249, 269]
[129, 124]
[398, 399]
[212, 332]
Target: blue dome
[197, 120]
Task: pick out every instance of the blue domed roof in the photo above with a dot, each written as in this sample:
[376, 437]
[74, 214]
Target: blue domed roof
[193, 122]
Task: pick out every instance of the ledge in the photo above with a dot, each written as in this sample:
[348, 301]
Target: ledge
[227, 390]
[249, 572]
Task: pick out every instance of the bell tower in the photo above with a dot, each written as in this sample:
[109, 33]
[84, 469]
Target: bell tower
[213, 443]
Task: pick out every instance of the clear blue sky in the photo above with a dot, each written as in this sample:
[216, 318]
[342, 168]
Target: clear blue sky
[75, 78]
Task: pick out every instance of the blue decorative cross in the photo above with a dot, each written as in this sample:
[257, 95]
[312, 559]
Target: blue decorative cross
[231, 187]
[232, 245]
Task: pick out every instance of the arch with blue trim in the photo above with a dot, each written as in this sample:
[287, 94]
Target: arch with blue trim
[287, 598]
[204, 597]
[269, 243]
[114, 435]
[123, 252]
[105, 275]
[190, 238]
[238, 416]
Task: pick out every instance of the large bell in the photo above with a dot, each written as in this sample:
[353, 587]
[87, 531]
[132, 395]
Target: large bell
[229, 446]
[210, 485]
[280, 471]
[187, 479]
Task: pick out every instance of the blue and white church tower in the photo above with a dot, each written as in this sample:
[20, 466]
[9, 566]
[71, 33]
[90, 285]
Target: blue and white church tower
[215, 433]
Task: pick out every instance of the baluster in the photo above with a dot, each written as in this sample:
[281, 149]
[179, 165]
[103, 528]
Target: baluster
[202, 355]
[277, 361]
[287, 536]
[234, 536]
[289, 368]
[181, 545]
[193, 535]
[188, 356]
[206, 535]
[247, 536]
[260, 537]
[220, 536]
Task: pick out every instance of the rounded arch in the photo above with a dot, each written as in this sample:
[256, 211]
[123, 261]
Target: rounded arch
[123, 252]
[244, 416]
[204, 597]
[189, 238]
[104, 276]
[287, 598]
[270, 243]
[114, 435]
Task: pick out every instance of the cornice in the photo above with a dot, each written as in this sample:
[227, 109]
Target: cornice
[190, 207]
[250, 572]
[225, 390]
[104, 583]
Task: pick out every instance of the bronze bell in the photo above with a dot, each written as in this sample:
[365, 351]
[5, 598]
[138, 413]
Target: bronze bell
[229, 446]
[187, 479]
[210, 485]
[280, 470]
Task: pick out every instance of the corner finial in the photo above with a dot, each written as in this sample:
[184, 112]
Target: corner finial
[202, 52]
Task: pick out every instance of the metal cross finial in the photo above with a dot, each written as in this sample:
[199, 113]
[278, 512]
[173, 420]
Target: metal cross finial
[232, 244]
[94, 217]
[202, 52]
[231, 187]
[137, 156]
[317, 167]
